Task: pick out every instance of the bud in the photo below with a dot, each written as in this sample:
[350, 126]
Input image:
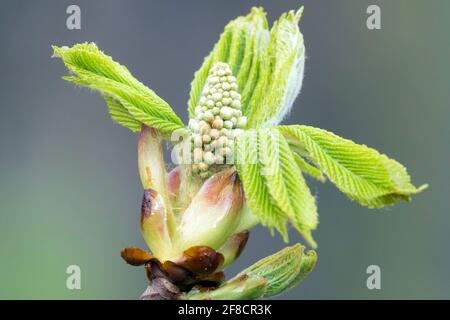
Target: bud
[156, 211]
[232, 249]
[154, 224]
[217, 116]
[213, 214]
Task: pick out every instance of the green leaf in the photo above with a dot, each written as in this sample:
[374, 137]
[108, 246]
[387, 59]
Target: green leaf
[360, 172]
[286, 58]
[256, 192]
[242, 45]
[274, 185]
[130, 102]
[283, 270]
[267, 277]
[120, 114]
[307, 168]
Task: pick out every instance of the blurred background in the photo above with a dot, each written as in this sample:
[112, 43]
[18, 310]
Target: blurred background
[69, 186]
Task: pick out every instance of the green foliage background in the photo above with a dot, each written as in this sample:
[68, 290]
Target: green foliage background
[69, 191]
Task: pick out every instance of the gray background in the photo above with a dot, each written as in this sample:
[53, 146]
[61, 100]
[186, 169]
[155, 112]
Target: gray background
[69, 187]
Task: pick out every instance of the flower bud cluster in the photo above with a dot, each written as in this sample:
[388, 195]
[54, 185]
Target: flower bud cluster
[218, 120]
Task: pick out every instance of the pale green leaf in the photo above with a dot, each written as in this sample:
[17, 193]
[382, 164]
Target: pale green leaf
[283, 72]
[283, 270]
[285, 182]
[274, 185]
[257, 195]
[308, 169]
[360, 172]
[308, 263]
[126, 97]
[267, 277]
[120, 114]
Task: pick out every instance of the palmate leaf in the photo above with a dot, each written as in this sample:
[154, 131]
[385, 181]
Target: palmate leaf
[274, 186]
[268, 65]
[130, 102]
[363, 174]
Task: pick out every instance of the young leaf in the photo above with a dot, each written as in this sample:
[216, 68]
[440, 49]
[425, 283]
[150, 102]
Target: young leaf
[284, 269]
[360, 172]
[273, 183]
[307, 168]
[130, 102]
[120, 114]
[256, 192]
[286, 58]
[285, 182]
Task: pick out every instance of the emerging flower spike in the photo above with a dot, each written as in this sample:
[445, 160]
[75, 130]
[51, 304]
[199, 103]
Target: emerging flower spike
[247, 169]
[218, 120]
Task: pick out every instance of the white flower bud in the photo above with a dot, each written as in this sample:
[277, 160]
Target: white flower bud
[219, 159]
[198, 142]
[223, 141]
[216, 110]
[226, 113]
[217, 96]
[198, 155]
[226, 101]
[209, 157]
[228, 124]
[193, 125]
[207, 147]
[205, 128]
[226, 151]
[236, 104]
[210, 103]
[214, 134]
[213, 80]
[206, 138]
[208, 116]
[217, 124]
[226, 86]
